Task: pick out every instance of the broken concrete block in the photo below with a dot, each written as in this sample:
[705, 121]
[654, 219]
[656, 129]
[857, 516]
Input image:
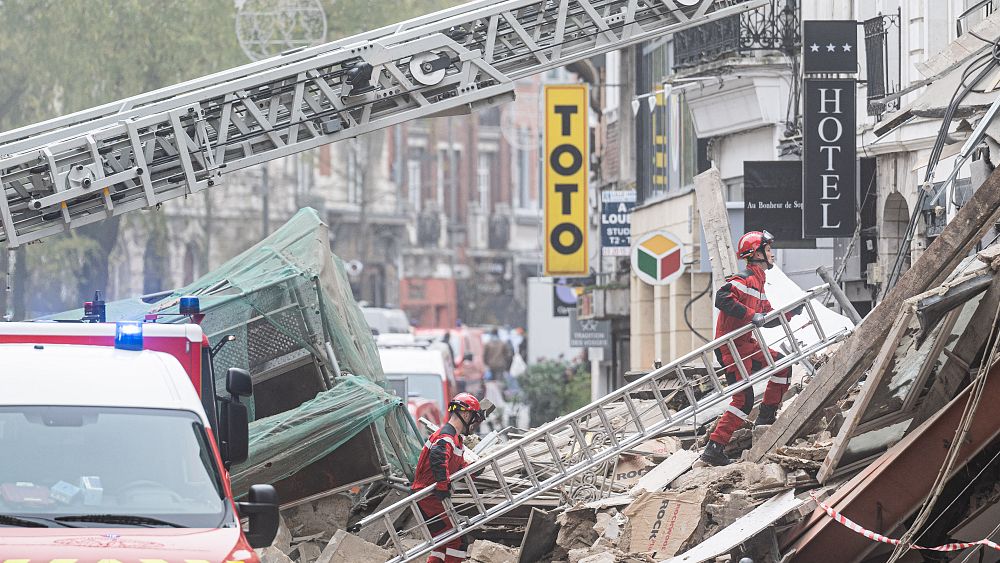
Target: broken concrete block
[272, 555]
[609, 526]
[603, 557]
[798, 477]
[283, 539]
[347, 547]
[321, 516]
[773, 475]
[660, 523]
[729, 508]
[575, 555]
[790, 462]
[485, 551]
[309, 551]
[734, 476]
[576, 530]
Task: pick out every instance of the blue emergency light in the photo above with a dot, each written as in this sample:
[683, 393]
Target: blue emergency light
[189, 305]
[128, 336]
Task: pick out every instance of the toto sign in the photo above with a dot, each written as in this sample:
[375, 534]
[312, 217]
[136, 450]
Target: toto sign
[656, 258]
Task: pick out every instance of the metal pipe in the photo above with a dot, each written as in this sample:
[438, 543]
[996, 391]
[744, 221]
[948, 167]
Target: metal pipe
[839, 295]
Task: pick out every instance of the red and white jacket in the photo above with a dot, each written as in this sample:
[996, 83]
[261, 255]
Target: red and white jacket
[740, 299]
[442, 455]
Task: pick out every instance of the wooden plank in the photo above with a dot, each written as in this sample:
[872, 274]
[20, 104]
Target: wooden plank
[966, 349]
[853, 417]
[845, 368]
[714, 218]
[664, 473]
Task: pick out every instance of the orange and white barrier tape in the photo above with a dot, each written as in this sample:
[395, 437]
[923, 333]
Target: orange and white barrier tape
[851, 525]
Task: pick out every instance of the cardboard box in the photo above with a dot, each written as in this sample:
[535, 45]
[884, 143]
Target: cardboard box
[64, 492]
[93, 492]
[661, 522]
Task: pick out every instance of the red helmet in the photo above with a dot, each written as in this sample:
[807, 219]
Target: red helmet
[466, 402]
[750, 242]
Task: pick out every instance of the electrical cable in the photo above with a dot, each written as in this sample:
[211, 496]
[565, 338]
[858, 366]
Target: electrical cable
[687, 310]
[960, 93]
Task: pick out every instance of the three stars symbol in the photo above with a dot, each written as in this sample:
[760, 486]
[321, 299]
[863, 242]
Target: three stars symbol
[831, 48]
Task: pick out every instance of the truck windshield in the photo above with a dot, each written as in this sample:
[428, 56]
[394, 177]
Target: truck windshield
[98, 463]
[424, 385]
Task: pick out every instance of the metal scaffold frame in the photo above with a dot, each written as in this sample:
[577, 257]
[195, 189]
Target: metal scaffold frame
[593, 436]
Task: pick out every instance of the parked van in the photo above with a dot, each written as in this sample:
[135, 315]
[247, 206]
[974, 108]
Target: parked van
[424, 374]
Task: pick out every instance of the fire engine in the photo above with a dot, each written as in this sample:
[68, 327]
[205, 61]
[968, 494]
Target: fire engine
[116, 445]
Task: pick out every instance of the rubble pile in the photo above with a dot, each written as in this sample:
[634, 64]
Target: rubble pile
[657, 501]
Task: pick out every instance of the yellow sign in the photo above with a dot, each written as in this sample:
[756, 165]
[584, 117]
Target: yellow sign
[566, 173]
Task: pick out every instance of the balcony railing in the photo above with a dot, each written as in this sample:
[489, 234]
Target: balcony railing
[774, 27]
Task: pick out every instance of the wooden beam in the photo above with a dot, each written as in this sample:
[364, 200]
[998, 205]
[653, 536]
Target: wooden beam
[948, 380]
[843, 370]
[710, 192]
[882, 364]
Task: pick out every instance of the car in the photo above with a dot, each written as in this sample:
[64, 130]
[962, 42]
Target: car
[423, 374]
[467, 354]
[386, 321]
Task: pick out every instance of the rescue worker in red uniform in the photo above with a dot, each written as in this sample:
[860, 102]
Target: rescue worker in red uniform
[742, 301]
[440, 458]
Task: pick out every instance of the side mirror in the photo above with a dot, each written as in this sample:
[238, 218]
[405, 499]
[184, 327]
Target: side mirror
[238, 382]
[261, 508]
[235, 432]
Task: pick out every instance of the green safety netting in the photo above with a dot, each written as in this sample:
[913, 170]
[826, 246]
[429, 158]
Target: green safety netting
[285, 299]
[281, 444]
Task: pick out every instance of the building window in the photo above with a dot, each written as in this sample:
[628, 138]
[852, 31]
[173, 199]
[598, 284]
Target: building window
[489, 116]
[414, 178]
[324, 161]
[442, 163]
[190, 263]
[734, 189]
[154, 265]
[355, 174]
[484, 172]
[523, 170]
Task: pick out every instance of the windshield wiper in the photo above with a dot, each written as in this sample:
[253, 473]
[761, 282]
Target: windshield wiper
[126, 519]
[29, 522]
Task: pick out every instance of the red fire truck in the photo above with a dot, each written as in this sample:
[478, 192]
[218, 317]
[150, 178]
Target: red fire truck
[116, 446]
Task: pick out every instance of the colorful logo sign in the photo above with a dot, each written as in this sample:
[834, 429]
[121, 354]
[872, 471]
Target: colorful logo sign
[656, 258]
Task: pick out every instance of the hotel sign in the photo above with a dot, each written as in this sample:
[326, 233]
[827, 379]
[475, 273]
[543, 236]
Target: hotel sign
[829, 179]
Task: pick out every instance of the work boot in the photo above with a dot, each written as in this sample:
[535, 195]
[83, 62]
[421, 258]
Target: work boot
[767, 415]
[714, 454]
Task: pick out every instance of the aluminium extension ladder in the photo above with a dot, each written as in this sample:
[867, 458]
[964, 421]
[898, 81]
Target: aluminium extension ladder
[614, 424]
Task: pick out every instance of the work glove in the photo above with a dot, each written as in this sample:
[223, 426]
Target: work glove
[442, 494]
[757, 319]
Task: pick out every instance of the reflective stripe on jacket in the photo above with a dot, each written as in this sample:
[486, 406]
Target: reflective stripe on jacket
[442, 455]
